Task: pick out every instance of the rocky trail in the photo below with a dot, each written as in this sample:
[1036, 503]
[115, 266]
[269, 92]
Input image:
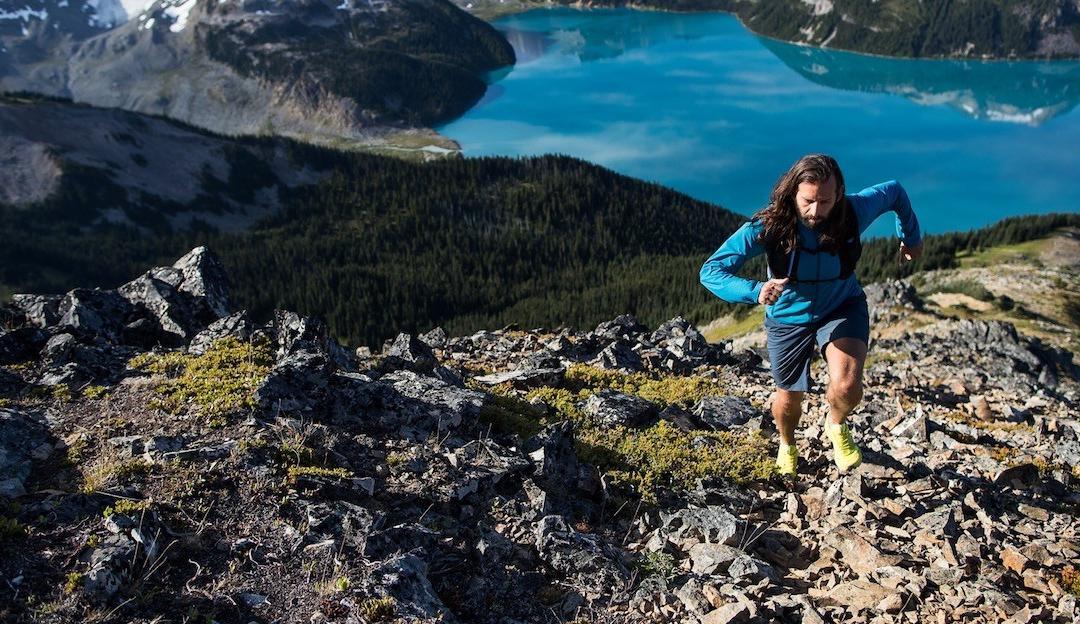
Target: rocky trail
[167, 458]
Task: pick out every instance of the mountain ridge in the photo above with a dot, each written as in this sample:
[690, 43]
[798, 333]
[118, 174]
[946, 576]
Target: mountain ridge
[164, 453]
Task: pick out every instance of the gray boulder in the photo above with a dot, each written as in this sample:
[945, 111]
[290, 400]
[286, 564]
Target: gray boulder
[610, 407]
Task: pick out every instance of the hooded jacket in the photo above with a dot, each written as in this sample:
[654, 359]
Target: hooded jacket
[802, 303]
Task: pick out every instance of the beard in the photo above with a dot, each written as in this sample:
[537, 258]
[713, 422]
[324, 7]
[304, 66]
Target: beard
[815, 223]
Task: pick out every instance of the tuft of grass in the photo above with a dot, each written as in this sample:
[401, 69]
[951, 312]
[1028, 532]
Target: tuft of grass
[736, 327]
[664, 390]
[296, 472]
[665, 456]
[126, 506]
[109, 470]
[73, 582]
[378, 609]
[95, 392]
[11, 529]
[215, 384]
[657, 563]
[969, 287]
[510, 414]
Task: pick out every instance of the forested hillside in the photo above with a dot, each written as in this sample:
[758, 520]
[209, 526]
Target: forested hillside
[378, 245]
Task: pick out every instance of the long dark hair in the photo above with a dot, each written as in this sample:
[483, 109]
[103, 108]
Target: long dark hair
[781, 215]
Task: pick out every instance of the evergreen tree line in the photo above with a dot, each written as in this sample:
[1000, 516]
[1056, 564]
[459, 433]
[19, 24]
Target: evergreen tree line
[382, 245]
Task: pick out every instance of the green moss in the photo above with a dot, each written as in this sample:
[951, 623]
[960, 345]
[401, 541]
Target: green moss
[395, 459]
[564, 402]
[342, 583]
[658, 563]
[126, 506]
[74, 580]
[221, 381]
[11, 529]
[5, 402]
[295, 472]
[378, 609]
[509, 414]
[969, 287]
[664, 390]
[110, 470]
[95, 392]
[665, 456]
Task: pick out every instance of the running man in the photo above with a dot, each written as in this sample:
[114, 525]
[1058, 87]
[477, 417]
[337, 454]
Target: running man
[810, 232]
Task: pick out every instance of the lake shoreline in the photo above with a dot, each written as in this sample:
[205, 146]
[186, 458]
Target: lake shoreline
[516, 8]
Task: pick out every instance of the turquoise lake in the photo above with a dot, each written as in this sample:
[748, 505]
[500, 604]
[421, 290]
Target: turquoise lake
[698, 103]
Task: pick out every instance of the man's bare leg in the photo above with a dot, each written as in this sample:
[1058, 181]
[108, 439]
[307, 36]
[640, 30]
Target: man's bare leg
[786, 410]
[845, 358]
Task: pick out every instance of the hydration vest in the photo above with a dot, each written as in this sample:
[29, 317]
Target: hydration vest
[787, 264]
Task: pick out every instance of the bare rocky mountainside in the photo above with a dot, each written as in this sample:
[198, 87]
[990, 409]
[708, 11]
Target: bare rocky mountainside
[354, 72]
[155, 170]
[166, 457]
[908, 28]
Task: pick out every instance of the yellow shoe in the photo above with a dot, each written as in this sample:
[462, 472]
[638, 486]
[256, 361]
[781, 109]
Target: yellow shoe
[846, 453]
[787, 458]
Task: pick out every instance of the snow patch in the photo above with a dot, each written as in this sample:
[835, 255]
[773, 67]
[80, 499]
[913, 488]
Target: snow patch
[106, 13]
[178, 11]
[24, 14]
[820, 7]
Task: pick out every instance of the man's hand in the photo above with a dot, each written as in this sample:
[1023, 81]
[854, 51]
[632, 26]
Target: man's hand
[907, 254]
[770, 292]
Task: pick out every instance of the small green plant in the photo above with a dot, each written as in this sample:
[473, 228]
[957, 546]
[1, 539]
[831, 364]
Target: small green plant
[509, 414]
[11, 529]
[395, 459]
[664, 390]
[95, 392]
[110, 469]
[657, 563]
[968, 287]
[74, 580]
[665, 456]
[342, 583]
[126, 506]
[5, 402]
[296, 472]
[215, 384]
[93, 541]
[378, 609]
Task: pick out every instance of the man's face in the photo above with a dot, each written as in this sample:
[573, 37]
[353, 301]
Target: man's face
[815, 202]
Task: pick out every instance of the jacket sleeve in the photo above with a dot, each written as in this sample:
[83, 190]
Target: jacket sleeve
[872, 202]
[718, 272]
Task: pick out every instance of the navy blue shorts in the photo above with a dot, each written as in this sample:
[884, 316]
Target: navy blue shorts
[791, 347]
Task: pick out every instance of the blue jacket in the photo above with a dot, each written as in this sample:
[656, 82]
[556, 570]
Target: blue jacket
[802, 303]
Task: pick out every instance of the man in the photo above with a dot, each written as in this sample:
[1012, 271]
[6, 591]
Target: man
[810, 230]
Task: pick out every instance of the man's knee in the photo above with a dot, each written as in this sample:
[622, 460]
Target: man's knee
[787, 401]
[845, 392]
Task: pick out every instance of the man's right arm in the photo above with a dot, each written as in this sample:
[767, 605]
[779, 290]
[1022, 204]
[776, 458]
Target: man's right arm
[718, 272]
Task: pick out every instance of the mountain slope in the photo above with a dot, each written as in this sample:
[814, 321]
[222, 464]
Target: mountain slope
[315, 69]
[262, 472]
[907, 28]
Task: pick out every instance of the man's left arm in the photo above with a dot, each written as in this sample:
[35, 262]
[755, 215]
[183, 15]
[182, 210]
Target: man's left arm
[870, 203]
